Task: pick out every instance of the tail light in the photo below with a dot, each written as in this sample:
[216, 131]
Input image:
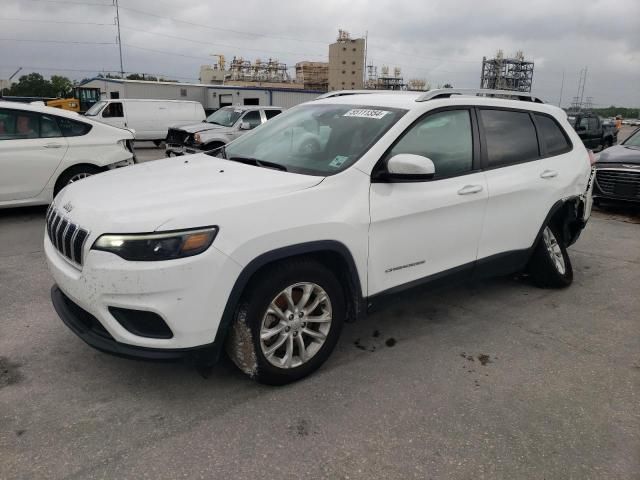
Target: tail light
[592, 158]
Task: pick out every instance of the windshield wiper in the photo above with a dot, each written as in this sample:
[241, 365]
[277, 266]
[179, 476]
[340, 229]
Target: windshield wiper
[256, 162]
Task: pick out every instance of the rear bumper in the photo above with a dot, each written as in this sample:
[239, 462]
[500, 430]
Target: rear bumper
[89, 329]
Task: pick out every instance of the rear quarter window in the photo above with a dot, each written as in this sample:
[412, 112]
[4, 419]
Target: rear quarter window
[510, 137]
[73, 128]
[553, 138]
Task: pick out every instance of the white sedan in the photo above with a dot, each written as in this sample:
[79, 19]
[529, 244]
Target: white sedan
[43, 149]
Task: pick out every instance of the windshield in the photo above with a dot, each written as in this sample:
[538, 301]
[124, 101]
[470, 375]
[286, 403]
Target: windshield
[95, 109]
[633, 140]
[226, 116]
[316, 139]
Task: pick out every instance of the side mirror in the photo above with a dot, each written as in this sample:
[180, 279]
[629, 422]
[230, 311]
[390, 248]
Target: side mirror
[406, 167]
[245, 126]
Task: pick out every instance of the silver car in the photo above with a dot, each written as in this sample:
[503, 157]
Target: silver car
[221, 127]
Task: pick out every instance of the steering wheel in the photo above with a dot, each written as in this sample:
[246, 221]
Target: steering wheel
[309, 146]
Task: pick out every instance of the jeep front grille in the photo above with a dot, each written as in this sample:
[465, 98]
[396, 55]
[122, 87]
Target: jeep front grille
[619, 183]
[67, 237]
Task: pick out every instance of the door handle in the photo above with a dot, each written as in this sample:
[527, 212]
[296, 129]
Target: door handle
[549, 174]
[53, 145]
[469, 189]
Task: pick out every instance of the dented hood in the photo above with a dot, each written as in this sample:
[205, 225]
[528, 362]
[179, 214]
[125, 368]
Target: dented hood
[201, 127]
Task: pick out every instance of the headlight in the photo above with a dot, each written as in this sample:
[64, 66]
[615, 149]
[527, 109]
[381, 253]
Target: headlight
[196, 138]
[146, 247]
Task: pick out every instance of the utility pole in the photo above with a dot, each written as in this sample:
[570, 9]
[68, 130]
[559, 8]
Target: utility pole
[119, 40]
[561, 87]
[364, 70]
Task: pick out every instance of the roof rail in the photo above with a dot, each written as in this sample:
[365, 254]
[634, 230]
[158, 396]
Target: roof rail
[448, 92]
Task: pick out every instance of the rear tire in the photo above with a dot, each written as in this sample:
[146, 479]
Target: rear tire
[74, 174]
[287, 323]
[550, 266]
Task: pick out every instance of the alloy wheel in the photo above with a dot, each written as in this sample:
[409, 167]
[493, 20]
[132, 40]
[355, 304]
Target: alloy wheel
[78, 176]
[295, 325]
[554, 250]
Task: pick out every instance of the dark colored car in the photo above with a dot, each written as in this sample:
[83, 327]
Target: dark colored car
[593, 131]
[618, 171]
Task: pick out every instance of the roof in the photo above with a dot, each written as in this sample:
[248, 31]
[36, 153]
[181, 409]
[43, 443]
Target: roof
[201, 85]
[41, 109]
[147, 100]
[410, 102]
[253, 107]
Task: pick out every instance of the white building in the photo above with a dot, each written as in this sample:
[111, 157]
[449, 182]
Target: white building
[212, 97]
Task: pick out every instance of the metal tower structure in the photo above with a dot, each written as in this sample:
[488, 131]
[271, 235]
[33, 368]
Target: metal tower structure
[502, 73]
[578, 104]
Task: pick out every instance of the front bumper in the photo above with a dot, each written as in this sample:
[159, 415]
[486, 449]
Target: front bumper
[89, 329]
[189, 295]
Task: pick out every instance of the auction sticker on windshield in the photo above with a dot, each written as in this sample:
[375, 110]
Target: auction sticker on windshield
[366, 113]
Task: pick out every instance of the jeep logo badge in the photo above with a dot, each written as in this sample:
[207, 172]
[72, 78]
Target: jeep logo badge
[68, 207]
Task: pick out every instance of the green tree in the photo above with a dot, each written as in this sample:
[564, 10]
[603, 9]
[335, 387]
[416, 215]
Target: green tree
[62, 86]
[31, 85]
[141, 76]
[35, 85]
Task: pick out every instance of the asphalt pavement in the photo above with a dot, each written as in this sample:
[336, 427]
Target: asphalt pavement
[494, 380]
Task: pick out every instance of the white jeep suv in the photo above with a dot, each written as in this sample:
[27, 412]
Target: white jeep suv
[313, 218]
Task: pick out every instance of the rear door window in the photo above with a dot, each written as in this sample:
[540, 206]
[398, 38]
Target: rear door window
[552, 137]
[510, 137]
[49, 127]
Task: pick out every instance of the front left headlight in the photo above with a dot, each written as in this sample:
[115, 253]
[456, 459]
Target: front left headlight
[146, 247]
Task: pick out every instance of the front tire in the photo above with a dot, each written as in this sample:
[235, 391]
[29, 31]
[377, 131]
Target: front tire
[287, 323]
[550, 266]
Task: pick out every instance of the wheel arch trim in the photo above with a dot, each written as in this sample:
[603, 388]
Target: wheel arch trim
[283, 253]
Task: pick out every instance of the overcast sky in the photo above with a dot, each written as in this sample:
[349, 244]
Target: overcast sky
[439, 41]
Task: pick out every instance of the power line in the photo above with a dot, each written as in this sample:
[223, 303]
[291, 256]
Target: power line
[56, 21]
[203, 42]
[165, 52]
[54, 41]
[441, 59]
[209, 27]
[75, 3]
[96, 71]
